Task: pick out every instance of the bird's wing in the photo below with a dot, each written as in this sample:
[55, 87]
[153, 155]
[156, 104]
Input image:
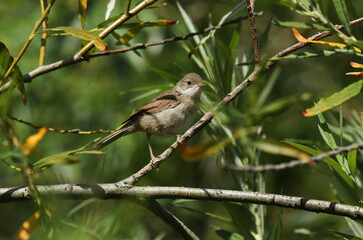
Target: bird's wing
[168, 99]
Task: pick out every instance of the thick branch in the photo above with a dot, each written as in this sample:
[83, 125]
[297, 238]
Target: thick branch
[115, 191]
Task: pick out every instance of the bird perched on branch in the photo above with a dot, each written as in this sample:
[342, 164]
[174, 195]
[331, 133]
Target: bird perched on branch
[170, 113]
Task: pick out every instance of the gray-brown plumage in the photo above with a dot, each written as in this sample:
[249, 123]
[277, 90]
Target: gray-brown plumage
[170, 113]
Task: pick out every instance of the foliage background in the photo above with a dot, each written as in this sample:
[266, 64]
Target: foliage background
[96, 94]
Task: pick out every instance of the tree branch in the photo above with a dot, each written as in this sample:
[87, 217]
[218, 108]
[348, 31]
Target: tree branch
[207, 117]
[294, 163]
[27, 78]
[126, 16]
[115, 191]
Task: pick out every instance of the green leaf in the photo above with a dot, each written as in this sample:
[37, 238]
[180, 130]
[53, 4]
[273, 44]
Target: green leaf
[82, 7]
[352, 162]
[279, 105]
[208, 214]
[82, 34]
[242, 219]
[335, 100]
[16, 76]
[276, 232]
[342, 12]
[165, 75]
[345, 236]
[324, 53]
[299, 25]
[341, 175]
[307, 149]
[62, 158]
[227, 235]
[328, 137]
[359, 44]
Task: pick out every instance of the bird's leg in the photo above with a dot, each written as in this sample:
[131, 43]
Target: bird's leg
[153, 159]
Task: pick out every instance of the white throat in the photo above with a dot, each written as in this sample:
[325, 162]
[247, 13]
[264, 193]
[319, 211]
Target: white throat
[191, 92]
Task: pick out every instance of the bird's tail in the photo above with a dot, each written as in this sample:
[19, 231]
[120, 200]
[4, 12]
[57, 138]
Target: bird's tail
[114, 136]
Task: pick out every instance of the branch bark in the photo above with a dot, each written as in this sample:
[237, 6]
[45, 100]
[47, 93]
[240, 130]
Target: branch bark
[296, 162]
[115, 191]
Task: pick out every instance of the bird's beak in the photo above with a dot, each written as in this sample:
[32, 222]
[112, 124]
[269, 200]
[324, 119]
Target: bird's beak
[202, 85]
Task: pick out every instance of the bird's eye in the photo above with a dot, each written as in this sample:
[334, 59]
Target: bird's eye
[189, 82]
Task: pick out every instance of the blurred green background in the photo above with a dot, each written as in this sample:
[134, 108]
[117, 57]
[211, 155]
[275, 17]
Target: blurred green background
[97, 95]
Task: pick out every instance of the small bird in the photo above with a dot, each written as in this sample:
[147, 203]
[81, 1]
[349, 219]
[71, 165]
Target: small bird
[170, 113]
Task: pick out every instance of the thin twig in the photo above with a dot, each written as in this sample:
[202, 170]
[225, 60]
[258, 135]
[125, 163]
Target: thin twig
[76, 131]
[28, 41]
[294, 163]
[72, 60]
[207, 117]
[251, 19]
[128, 7]
[114, 25]
[299, 45]
[115, 191]
[169, 218]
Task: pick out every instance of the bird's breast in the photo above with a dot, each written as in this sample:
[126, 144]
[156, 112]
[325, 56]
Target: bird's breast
[169, 121]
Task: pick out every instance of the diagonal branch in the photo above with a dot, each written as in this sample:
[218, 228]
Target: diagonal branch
[207, 117]
[114, 191]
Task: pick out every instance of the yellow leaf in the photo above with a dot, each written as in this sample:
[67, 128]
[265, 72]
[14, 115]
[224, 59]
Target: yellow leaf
[28, 227]
[32, 141]
[354, 73]
[279, 148]
[300, 38]
[356, 65]
[208, 148]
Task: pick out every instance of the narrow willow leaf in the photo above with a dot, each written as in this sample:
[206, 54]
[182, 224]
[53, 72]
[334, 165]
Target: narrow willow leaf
[279, 148]
[82, 7]
[62, 158]
[342, 176]
[110, 7]
[226, 234]
[16, 76]
[335, 100]
[352, 162]
[242, 219]
[299, 25]
[342, 12]
[130, 34]
[345, 236]
[83, 34]
[324, 53]
[328, 137]
[300, 38]
[276, 232]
